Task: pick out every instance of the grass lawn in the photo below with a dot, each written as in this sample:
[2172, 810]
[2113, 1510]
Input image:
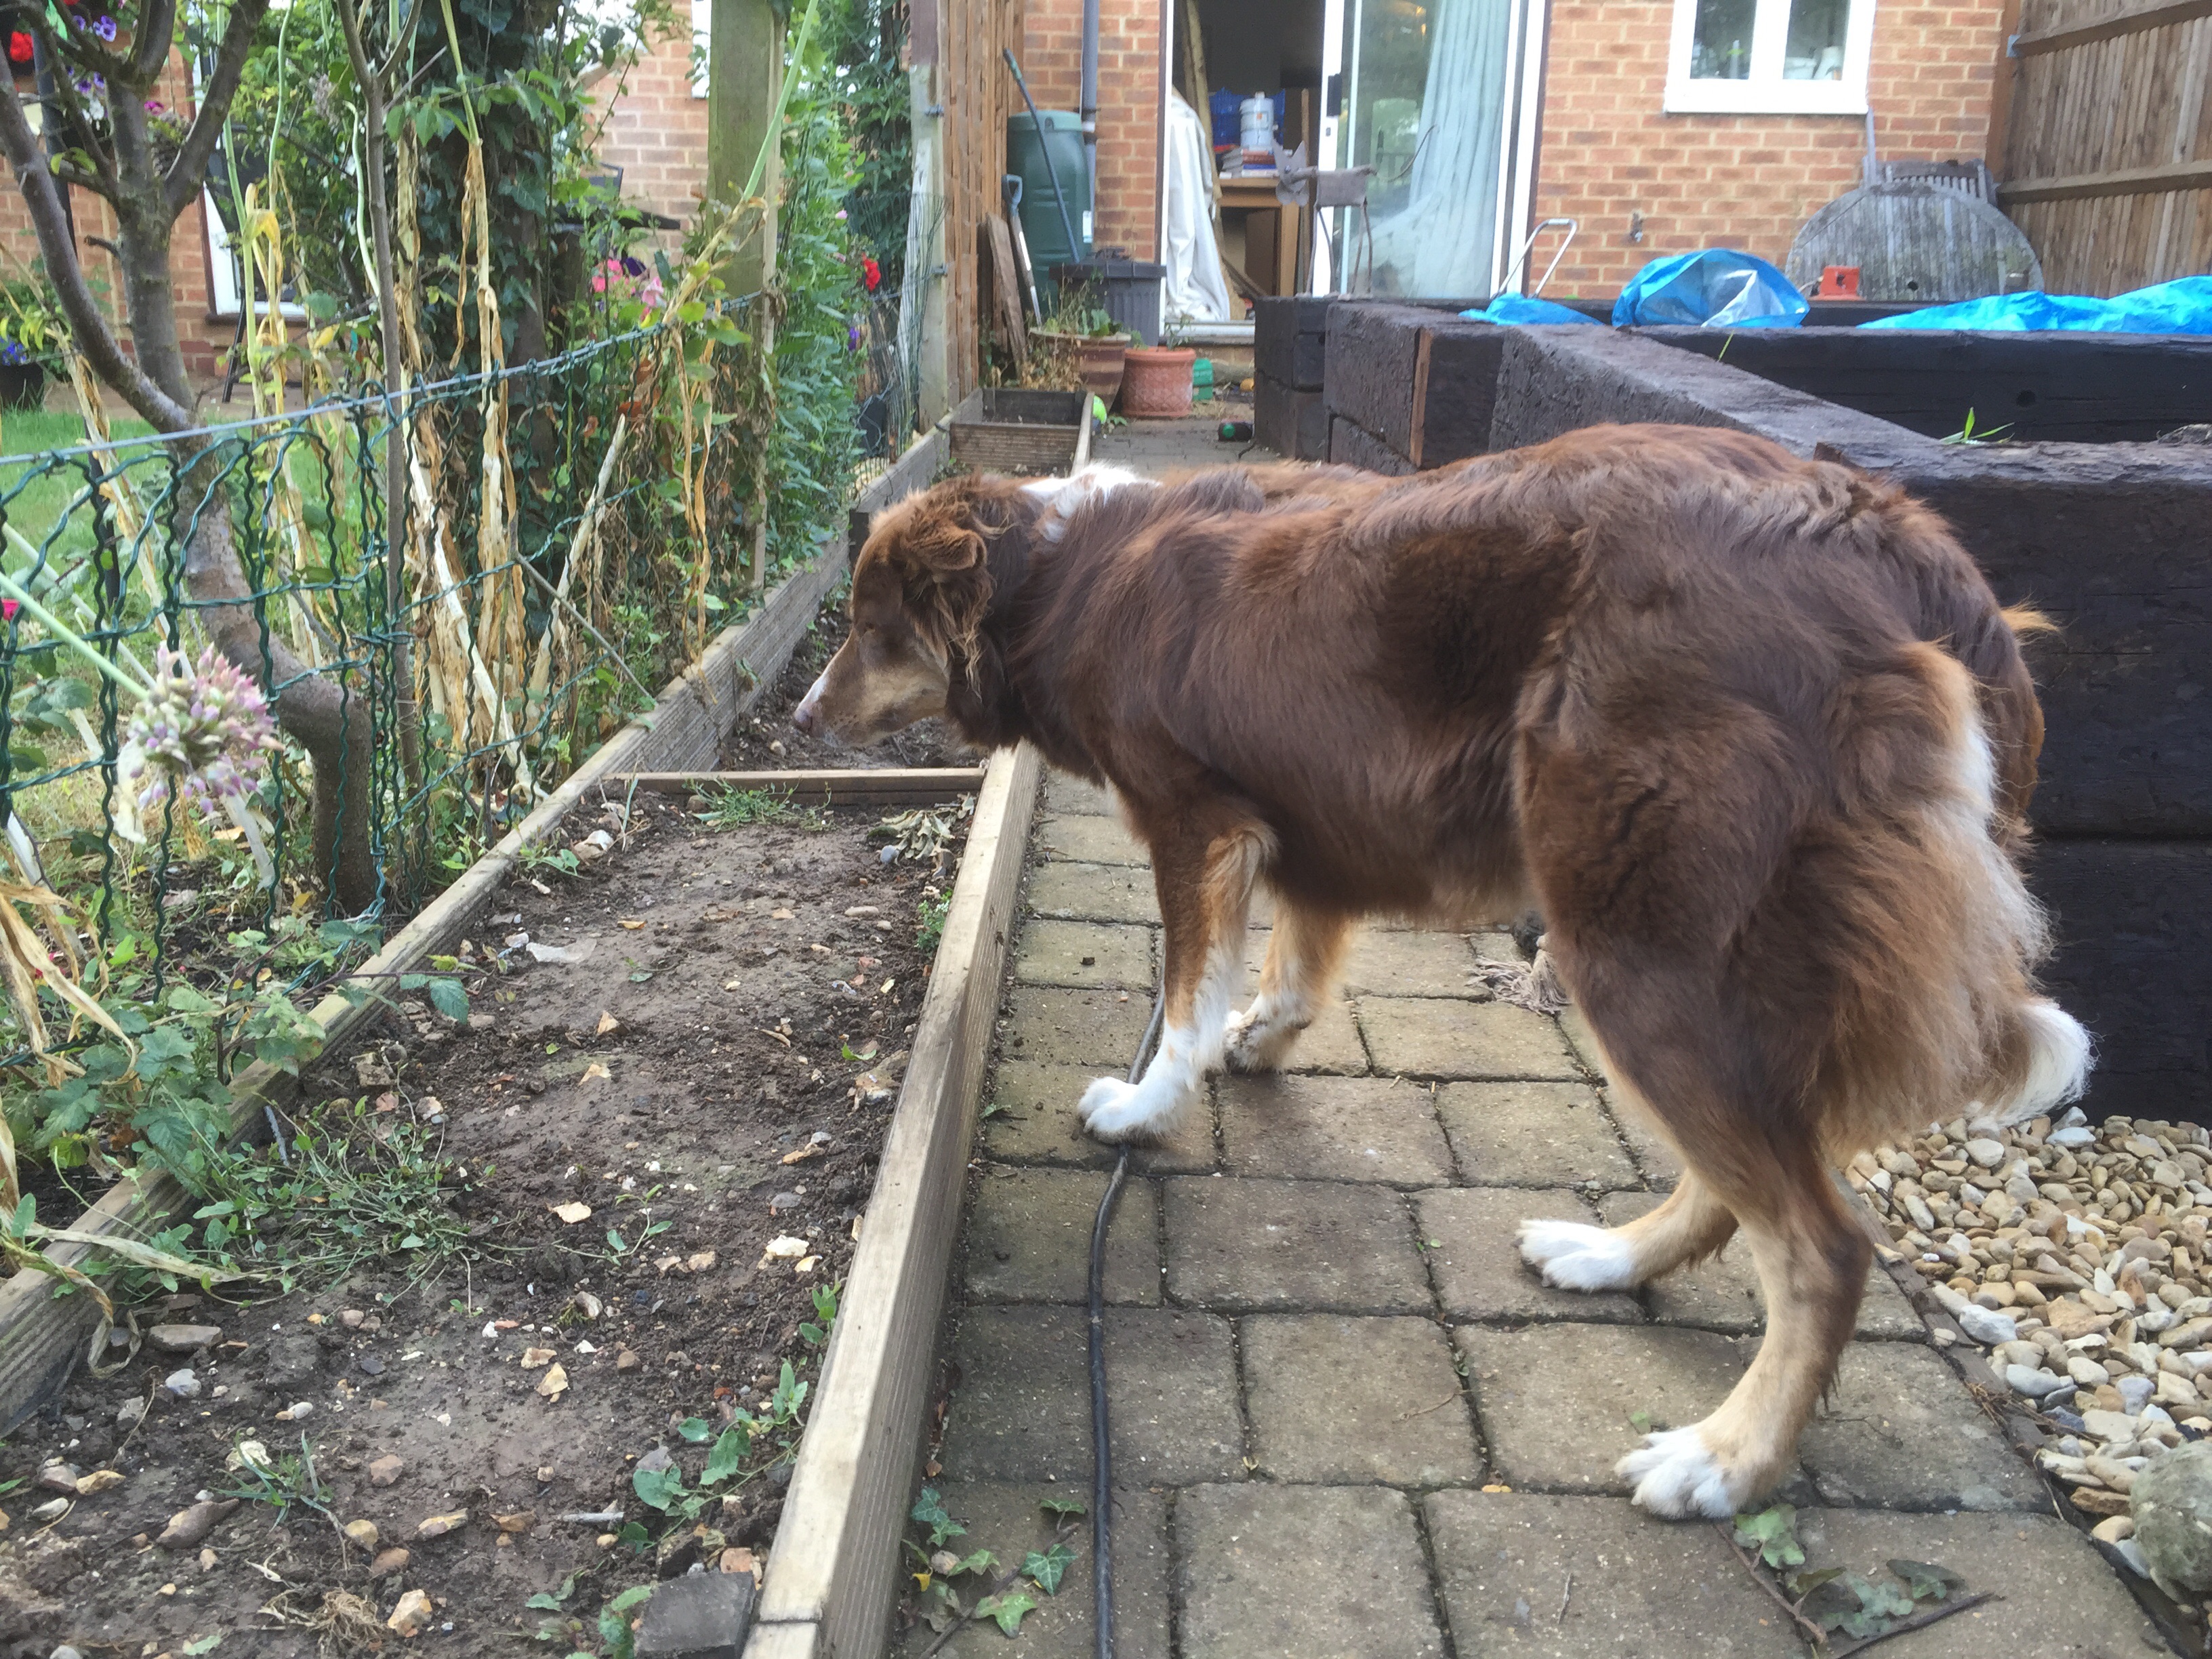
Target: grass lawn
[34, 500]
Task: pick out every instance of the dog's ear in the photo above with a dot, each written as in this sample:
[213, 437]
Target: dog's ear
[943, 561]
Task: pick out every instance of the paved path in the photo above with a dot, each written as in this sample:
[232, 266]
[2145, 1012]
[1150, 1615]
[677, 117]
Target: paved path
[1347, 1420]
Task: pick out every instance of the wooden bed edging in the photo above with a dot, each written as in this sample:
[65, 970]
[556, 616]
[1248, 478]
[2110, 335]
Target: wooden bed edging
[891, 785]
[833, 1575]
[42, 1337]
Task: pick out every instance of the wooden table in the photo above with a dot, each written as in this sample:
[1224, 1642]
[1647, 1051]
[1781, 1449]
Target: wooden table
[1271, 233]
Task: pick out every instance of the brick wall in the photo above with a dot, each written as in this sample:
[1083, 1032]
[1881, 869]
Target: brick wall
[1743, 181]
[657, 131]
[1128, 105]
[205, 338]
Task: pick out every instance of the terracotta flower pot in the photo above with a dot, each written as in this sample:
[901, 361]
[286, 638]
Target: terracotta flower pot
[1097, 358]
[1155, 382]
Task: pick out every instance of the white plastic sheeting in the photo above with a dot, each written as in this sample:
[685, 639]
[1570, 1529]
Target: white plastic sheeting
[1195, 290]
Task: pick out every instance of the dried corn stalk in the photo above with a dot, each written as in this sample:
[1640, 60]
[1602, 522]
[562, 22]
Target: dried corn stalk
[25, 964]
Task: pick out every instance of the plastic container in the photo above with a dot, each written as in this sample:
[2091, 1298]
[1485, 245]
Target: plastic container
[1040, 221]
[1255, 119]
[1129, 289]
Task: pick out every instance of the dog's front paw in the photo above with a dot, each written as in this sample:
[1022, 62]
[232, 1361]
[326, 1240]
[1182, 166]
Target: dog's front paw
[1576, 1256]
[1256, 1041]
[1677, 1475]
[1114, 1110]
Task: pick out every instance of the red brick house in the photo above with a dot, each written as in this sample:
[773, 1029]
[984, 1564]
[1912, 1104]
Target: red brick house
[1657, 126]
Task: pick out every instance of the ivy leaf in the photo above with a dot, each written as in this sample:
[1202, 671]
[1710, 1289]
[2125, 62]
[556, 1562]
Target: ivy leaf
[1046, 1566]
[1802, 1584]
[1063, 1506]
[929, 1510]
[979, 1561]
[1773, 1533]
[1926, 1580]
[1855, 1606]
[1008, 1609]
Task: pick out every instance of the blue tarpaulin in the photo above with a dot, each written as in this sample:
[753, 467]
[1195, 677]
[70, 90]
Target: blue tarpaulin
[1714, 287]
[2178, 308]
[1520, 308]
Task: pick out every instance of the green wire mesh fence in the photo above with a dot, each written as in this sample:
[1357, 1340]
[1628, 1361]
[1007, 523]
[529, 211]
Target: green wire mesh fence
[569, 530]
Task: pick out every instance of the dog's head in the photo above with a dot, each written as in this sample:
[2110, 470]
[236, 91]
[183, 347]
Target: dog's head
[921, 592]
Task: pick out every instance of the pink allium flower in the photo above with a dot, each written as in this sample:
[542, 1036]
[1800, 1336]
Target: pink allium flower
[205, 731]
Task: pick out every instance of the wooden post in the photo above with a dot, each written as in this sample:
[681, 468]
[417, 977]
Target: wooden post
[745, 72]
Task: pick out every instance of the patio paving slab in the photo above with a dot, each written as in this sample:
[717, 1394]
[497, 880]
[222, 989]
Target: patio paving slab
[1029, 1237]
[1430, 1037]
[1092, 892]
[1023, 1410]
[1052, 1026]
[1343, 1400]
[1086, 954]
[1899, 1433]
[1298, 1572]
[1552, 1577]
[1532, 1135]
[1090, 840]
[1255, 1246]
[1332, 1128]
[1469, 1235]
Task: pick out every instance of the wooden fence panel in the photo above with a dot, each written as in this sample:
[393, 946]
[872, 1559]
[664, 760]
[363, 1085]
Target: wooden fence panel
[2108, 145]
[976, 92]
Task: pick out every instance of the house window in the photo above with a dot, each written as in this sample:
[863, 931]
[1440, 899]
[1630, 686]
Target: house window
[1770, 56]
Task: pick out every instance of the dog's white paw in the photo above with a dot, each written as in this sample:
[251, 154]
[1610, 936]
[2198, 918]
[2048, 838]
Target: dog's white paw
[1256, 1041]
[1677, 1475]
[1576, 1256]
[1114, 1110]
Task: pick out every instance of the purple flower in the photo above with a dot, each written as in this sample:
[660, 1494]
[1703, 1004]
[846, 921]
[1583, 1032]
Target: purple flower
[155, 106]
[105, 28]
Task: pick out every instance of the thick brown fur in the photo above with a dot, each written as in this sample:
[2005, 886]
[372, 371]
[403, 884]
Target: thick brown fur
[1752, 732]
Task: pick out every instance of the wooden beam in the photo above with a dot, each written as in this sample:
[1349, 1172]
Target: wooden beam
[745, 72]
[2133, 20]
[834, 1572]
[890, 786]
[2121, 181]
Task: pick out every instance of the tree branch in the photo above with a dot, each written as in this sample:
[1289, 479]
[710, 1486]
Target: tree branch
[149, 47]
[75, 120]
[94, 337]
[186, 173]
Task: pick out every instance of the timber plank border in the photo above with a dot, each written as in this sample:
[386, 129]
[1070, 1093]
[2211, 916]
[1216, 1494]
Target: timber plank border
[890, 786]
[42, 1337]
[833, 1574]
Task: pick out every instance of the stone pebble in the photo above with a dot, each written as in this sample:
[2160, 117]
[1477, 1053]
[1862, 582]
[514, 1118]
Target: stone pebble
[2075, 1255]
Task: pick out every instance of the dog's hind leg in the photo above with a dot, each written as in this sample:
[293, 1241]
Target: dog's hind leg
[1296, 981]
[1691, 1225]
[1205, 888]
[1812, 1264]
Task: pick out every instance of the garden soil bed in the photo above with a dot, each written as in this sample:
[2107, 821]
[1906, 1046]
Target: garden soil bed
[717, 1074]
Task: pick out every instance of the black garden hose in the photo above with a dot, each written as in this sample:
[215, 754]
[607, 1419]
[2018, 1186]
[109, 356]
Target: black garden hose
[1101, 1463]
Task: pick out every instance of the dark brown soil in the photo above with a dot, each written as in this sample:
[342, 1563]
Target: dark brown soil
[769, 741]
[666, 1081]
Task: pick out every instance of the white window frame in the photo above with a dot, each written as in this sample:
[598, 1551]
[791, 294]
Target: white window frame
[1763, 91]
[703, 38]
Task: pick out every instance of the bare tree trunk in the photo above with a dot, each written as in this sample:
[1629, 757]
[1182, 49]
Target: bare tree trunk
[330, 722]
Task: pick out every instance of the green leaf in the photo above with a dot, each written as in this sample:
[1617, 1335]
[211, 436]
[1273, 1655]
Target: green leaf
[1855, 1606]
[1802, 1584]
[545, 1601]
[730, 1451]
[1008, 1609]
[204, 1644]
[634, 1534]
[449, 999]
[929, 1510]
[1926, 1580]
[696, 1429]
[1773, 1533]
[1063, 1506]
[658, 1489]
[1046, 1566]
[979, 1561]
[1640, 1421]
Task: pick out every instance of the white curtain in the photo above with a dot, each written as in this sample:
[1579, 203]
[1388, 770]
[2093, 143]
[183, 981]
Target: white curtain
[1195, 290]
[1439, 244]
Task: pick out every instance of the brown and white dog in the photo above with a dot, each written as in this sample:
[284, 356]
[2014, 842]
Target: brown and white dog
[1751, 732]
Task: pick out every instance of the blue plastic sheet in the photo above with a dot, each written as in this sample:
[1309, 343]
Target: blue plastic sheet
[1714, 287]
[1520, 308]
[2178, 308]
